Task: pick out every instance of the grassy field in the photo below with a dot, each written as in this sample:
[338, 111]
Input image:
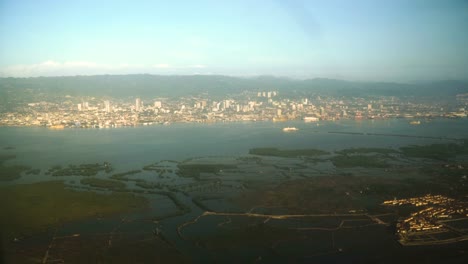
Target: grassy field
[32, 207]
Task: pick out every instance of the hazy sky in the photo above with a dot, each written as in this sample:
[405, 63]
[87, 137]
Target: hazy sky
[364, 40]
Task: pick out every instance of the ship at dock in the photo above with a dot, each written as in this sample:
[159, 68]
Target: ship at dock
[290, 129]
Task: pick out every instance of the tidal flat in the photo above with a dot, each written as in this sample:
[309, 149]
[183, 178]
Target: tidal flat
[295, 202]
[31, 208]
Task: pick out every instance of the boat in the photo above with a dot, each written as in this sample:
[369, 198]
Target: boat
[308, 119]
[417, 122]
[57, 127]
[288, 129]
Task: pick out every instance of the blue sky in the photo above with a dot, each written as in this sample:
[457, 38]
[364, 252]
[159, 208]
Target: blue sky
[397, 40]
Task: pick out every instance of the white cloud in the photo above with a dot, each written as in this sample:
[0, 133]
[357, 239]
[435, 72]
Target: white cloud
[70, 68]
[198, 66]
[85, 64]
[162, 65]
[67, 68]
[49, 63]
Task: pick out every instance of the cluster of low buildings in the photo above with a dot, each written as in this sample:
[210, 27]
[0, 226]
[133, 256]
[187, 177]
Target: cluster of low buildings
[436, 208]
[420, 201]
[90, 112]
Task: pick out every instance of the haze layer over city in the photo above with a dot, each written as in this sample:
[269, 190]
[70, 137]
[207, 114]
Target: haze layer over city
[234, 131]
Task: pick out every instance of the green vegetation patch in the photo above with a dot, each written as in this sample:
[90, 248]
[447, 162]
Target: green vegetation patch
[80, 170]
[123, 176]
[250, 159]
[256, 235]
[194, 170]
[346, 161]
[292, 153]
[385, 151]
[453, 176]
[330, 194]
[6, 157]
[11, 172]
[149, 185]
[182, 208]
[159, 169]
[436, 151]
[103, 183]
[31, 207]
[33, 171]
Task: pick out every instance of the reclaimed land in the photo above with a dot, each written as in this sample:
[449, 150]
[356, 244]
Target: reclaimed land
[285, 153]
[29, 208]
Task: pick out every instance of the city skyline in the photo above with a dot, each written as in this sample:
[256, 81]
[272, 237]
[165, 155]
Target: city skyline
[364, 40]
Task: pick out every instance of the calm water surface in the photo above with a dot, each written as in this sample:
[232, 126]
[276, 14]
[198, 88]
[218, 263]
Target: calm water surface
[137, 146]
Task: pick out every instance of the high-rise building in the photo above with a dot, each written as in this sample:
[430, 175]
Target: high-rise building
[157, 104]
[107, 106]
[138, 104]
[227, 104]
[322, 111]
[251, 106]
[80, 107]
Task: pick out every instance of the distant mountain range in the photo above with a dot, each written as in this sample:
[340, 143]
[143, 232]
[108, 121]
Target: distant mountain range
[150, 86]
